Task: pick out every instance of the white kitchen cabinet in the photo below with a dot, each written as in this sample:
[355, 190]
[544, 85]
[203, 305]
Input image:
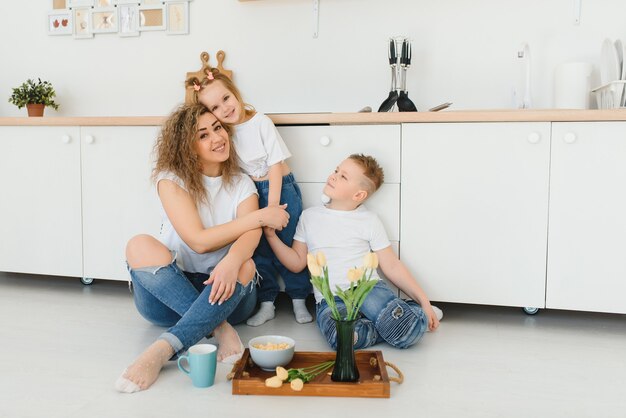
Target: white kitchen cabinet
[118, 197]
[40, 202]
[474, 210]
[587, 234]
[318, 150]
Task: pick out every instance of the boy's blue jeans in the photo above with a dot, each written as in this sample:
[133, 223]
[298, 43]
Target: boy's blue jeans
[385, 317]
[169, 297]
[297, 285]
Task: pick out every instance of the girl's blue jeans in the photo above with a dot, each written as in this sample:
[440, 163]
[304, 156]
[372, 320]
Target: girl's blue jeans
[297, 285]
[384, 317]
[169, 297]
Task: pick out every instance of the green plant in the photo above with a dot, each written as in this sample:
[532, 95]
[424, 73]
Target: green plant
[361, 283]
[40, 92]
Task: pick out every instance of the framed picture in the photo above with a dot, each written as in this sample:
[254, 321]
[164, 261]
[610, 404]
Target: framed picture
[59, 4]
[82, 22]
[151, 17]
[177, 17]
[60, 22]
[151, 2]
[79, 3]
[128, 19]
[104, 20]
[104, 3]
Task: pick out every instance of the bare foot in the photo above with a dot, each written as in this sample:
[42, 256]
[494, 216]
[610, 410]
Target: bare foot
[230, 347]
[145, 370]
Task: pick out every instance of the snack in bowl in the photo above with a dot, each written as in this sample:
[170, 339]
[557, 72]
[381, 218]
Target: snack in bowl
[271, 351]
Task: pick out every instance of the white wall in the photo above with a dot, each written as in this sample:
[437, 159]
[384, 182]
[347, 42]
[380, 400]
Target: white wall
[463, 51]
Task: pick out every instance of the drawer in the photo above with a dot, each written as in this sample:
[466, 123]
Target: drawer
[385, 202]
[318, 150]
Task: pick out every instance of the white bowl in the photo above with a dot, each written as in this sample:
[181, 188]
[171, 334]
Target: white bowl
[270, 359]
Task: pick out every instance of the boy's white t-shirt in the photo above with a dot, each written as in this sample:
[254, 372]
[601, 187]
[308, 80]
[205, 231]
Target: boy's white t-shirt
[259, 145]
[344, 237]
[222, 208]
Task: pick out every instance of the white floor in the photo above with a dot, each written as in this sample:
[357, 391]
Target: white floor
[63, 345]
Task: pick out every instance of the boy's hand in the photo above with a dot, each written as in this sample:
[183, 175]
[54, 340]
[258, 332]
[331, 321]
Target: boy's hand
[433, 322]
[269, 232]
[274, 217]
[224, 280]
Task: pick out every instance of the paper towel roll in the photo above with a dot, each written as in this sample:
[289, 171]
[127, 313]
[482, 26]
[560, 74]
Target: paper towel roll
[572, 85]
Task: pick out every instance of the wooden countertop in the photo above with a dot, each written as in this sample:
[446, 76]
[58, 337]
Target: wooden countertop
[450, 116]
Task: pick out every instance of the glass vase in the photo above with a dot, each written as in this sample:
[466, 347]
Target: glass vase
[345, 363]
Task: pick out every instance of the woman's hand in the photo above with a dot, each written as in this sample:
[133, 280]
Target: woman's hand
[224, 280]
[274, 216]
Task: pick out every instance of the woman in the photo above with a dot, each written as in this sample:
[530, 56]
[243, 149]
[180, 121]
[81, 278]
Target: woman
[199, 272]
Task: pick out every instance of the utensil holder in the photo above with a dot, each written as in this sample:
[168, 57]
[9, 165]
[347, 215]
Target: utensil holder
[611, 95]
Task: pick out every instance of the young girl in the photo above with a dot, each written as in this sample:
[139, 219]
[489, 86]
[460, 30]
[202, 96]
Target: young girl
[199, 271]
[261, 152]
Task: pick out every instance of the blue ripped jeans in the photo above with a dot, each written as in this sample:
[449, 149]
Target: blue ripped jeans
[297, 285]
[384, 317]
[169, 297]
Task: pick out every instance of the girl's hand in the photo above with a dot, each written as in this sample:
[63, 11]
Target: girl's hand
[274, 217]
[224, 280]
[433, 322]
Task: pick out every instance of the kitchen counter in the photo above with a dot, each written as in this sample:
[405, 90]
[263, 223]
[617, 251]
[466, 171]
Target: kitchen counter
[450, 116]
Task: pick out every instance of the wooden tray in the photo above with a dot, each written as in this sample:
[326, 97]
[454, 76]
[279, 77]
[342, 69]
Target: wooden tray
[249, 379]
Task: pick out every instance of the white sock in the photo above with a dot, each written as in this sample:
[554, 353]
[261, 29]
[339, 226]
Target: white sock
[265, 313]
[125, 385]
[438, 312]
[301, 312]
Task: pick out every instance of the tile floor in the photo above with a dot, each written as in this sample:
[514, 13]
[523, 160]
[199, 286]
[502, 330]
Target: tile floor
[64, 344]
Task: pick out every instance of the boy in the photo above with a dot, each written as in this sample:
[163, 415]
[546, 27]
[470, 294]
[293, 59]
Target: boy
[345, 231]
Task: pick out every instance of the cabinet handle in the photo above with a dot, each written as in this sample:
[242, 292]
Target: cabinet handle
[325, 141]
[66, 139]
[569, 138]
[89, 139]
[534, 138]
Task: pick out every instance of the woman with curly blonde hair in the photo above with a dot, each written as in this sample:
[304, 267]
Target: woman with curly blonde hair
[199, 271]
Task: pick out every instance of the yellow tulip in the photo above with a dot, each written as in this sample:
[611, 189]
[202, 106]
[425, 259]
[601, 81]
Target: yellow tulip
[314, 268]
[321, 259]
[354, 275]
[370, 261]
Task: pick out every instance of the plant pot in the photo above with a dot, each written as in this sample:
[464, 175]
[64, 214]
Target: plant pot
[35, 109]
[345, 363]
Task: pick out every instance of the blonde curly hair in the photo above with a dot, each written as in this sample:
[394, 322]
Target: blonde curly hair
[175, 153]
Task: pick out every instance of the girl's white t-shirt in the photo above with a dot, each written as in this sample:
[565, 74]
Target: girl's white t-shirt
[259, 145]
[222, 208]
[344, 236]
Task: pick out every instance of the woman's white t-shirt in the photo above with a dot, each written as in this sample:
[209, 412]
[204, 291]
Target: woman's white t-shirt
[344, 236]
[259, 145]
[222, 208]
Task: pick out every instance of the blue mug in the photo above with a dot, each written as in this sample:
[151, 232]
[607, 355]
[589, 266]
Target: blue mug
[202, 360]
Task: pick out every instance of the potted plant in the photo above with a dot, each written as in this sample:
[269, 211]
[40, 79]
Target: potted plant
[35, 96]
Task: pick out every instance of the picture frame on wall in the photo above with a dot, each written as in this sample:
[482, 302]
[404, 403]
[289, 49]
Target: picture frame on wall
[177, 17]
[82, 28]
[59, 4]
[151, 17]
[104, 20]
[79, 3]
[60, 22]
[104, 4]
[128, 15]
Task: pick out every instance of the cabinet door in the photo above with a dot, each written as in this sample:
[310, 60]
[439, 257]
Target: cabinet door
[40, 208]
[119, 199]
[318, 150]
[587, 237]
[474, 210]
